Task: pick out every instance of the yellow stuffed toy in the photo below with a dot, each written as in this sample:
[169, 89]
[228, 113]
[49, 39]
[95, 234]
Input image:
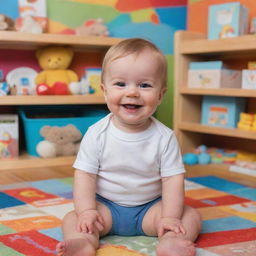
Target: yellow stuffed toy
[56, 78]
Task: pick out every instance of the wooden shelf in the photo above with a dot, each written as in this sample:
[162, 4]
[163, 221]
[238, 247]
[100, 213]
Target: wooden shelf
[219, 92]
[26, 161]
[199, 128]
[51, 100]
[198, 44]
[26, 41]
[235, 52]
[21, 40]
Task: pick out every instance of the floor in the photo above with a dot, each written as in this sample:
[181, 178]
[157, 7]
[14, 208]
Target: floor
[32, 174]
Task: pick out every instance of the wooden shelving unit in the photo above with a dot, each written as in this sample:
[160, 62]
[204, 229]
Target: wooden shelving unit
[26, 41]
[51, 100]
[22, 41]
[235, 52]
[26, 161]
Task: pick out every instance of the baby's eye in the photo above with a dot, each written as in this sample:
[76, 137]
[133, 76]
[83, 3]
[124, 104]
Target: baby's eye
[120, 84]
[145, 85]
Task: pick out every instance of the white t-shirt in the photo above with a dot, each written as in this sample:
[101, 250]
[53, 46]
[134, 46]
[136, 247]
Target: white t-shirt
[129, 166]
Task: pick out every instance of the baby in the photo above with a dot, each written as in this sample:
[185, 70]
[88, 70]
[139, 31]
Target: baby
[129, 177]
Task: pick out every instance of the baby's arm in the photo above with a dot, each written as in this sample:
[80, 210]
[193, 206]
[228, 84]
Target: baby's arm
[172, 204]
[85, 202]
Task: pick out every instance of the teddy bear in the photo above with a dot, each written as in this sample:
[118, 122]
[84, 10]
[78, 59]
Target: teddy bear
[59, 141]
[56, 78]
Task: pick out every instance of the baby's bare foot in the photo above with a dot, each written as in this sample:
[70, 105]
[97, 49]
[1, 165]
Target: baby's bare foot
[75, 247]
[174, 246]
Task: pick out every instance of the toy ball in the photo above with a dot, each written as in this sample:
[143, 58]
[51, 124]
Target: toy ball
[202, 149]
[190, 158]
[204, 158]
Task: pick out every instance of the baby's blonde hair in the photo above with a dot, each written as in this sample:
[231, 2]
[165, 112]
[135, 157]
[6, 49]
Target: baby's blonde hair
[135, 46]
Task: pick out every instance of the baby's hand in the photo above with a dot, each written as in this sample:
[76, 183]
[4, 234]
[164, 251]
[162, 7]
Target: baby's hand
[170, 224]
[89, 220]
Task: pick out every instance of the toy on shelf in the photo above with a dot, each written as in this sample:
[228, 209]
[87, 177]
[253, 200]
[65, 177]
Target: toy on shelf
[252, 29]
[33, 17]
[92, 27]
[249, 76]
[55, 79]
[190, 158]
[6, 23]
[21, 81]
[204, 155]
[246, 122]
[245, 163]
[29, 24]
[221, 111]
[90, 82]
[227, 20]
[4, 87]
[9, 146]
[59, 141]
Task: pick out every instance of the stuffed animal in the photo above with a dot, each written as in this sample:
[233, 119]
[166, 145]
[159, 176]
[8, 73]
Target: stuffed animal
[59, 141]
[6, 23]
[55, 79]
[93, 27]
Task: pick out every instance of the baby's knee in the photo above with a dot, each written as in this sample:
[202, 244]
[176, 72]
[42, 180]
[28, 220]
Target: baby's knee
[194, 214]
[69, 215]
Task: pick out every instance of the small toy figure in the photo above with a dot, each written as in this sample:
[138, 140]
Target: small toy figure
[247, 121]
[90, 82]
[251, 65]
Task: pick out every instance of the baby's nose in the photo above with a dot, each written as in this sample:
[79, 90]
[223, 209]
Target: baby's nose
[132, 91]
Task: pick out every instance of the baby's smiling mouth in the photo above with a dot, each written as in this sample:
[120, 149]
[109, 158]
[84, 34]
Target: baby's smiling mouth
[131, 106]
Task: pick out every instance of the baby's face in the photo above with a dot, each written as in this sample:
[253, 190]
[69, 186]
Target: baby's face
[133, 90]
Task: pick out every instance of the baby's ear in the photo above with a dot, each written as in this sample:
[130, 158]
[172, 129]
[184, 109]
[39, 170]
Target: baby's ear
[103, 88]
[162, 93]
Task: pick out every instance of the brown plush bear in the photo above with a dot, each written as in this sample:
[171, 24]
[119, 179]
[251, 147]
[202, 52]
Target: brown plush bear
[59, 141]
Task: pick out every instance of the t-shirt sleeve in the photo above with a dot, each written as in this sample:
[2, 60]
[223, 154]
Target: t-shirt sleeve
[88, 155]
[171, 160]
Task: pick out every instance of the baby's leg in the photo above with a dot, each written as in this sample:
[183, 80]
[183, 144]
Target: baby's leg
[172, 244]
[81, 244]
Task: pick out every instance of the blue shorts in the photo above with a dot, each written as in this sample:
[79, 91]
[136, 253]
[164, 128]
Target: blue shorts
[126, 221]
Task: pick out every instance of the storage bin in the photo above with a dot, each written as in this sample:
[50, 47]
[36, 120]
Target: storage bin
[222, 111]
[212, 74]
[34, 118]
[249, 79]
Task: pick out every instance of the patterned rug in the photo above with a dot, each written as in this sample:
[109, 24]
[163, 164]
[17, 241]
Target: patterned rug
[31, 213]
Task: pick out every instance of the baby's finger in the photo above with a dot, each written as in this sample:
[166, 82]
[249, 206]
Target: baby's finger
[100, 219]
[99, 226]
[90, 228]
[78, 227]
[182, 229]
[161, 231]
